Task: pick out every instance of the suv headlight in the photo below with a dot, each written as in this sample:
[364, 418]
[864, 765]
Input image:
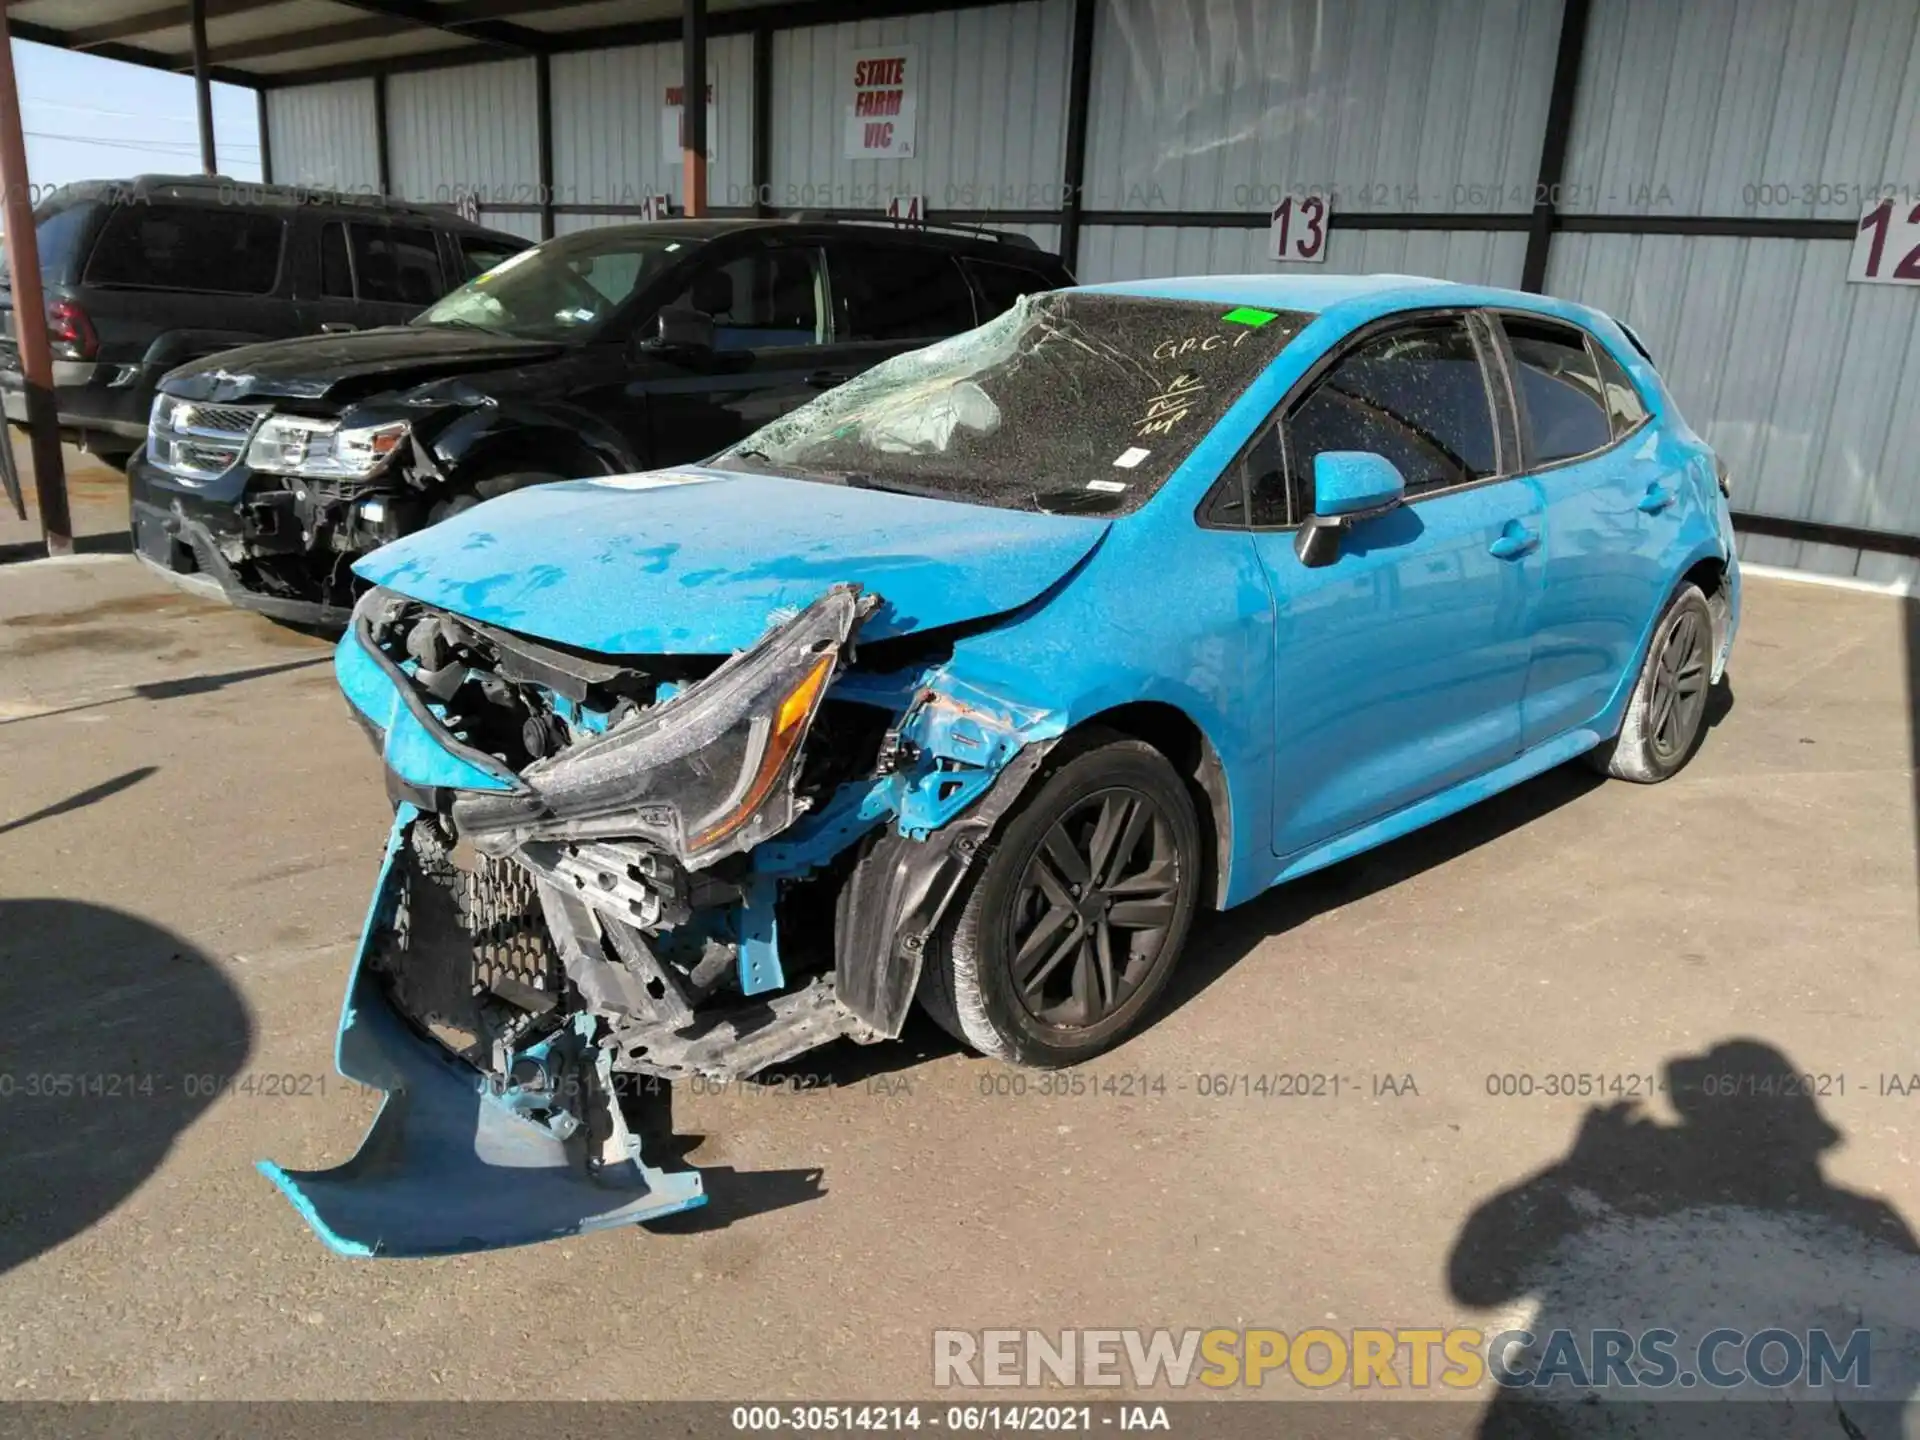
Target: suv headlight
[293, 445]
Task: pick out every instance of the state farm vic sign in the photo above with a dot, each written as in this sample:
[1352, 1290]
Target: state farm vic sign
[881, 102]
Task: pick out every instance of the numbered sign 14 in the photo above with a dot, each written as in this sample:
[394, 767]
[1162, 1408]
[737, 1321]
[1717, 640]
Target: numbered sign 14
[1886, 247]
[1298, 230]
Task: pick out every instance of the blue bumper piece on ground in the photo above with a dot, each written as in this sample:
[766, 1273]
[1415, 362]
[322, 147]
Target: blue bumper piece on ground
[446, 1168]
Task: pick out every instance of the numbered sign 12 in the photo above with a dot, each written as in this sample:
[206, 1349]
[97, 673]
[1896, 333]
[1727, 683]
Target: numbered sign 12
[1886, 247]
[1298, 230]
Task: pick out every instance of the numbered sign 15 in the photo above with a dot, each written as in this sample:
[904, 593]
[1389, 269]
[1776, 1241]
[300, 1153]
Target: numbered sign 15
[1886, 248]
[1298, 230]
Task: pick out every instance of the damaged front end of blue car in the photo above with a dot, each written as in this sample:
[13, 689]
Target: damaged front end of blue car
[610, 872]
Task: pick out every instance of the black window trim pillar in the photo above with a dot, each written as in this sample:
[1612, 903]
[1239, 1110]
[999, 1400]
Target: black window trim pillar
[543, 137]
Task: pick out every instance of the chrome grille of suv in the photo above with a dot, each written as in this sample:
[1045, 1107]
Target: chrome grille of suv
[196, 441]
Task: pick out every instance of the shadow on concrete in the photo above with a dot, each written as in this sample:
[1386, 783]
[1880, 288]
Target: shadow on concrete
[83, 798]
[1723, 1219]
[732, 1195]
[118, 1034]
[1221, 940]
[113, 542]
[184, 687]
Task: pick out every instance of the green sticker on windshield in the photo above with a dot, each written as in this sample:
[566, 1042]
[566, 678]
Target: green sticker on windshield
[1247, 315]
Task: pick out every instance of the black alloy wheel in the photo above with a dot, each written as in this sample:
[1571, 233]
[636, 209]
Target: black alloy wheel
[1093, 908]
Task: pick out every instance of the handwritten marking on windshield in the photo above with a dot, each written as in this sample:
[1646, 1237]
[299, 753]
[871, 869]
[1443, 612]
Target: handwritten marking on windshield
[1174, 349]
[1171, 405]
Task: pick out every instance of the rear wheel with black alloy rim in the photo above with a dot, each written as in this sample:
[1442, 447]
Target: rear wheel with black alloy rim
[1076, 912]
[1667, 712]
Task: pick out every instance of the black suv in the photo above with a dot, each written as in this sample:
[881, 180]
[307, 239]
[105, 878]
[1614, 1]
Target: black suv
[269, 469]
[141, 275]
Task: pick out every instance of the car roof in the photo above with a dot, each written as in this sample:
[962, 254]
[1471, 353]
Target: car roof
[1357, 297]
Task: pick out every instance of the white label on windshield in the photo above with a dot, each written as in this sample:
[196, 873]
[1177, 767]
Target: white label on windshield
[650, 480]
[1129, 458]
[1112, 487]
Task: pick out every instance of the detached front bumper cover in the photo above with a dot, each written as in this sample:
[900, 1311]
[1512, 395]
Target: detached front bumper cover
[449, 1164]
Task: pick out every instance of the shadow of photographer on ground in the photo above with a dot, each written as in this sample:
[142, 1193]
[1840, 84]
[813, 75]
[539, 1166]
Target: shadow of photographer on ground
[1723, 1219]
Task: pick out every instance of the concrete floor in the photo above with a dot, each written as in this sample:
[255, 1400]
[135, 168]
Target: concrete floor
[188, 830]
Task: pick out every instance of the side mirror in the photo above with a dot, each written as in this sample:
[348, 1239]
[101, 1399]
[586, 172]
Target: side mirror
[685, 334]
[1348, 486]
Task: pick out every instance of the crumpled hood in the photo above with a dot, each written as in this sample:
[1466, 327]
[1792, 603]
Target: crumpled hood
[314, 367]
[701, 562]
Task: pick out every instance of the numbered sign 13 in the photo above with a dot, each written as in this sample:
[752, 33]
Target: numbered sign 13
[1298, 230]
[1886, 247]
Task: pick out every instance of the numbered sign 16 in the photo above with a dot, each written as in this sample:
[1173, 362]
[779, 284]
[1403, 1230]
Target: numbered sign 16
[1886, 248]
[1298, 230]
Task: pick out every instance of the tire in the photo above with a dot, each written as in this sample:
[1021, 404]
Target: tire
[1666, 715]
[1072, 1006]
[486, 489]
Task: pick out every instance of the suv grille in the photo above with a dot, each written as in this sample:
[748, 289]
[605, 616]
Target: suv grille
[194, 441]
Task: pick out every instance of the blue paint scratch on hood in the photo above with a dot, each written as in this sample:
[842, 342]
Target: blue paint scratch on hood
[697, 561]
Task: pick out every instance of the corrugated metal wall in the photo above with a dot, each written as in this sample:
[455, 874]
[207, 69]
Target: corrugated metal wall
[1395, 106]
[1769, 109]
[324, 136]
[469, 129]
[1385, 106]
[991, 122]
[1128, 252]
[609, 146]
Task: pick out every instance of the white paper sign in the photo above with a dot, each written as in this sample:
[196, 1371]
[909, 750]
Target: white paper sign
[907, 210]
[673, 140]
[1886, 247]
[1297, 230]
[656, 207]
[883, 86]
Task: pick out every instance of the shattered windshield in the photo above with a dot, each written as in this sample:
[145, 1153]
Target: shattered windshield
[556, 290]
[1071, 401]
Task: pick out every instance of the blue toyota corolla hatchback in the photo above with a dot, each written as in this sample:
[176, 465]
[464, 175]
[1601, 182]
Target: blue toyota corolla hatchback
[969, 684]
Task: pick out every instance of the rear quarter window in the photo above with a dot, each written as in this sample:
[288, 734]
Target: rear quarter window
[998, 286]
[183, 247]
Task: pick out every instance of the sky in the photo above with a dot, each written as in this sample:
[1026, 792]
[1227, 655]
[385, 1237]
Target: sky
[87, 118]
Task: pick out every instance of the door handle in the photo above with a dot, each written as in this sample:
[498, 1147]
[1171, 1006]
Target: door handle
[827, 379]
[1657, 498]
[1513, 541]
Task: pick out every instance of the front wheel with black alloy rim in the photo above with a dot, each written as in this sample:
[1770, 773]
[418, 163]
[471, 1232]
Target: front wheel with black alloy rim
[1667, 712]
[1076, 912]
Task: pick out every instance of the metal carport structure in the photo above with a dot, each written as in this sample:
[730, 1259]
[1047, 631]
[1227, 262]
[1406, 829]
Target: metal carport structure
[1631, 154]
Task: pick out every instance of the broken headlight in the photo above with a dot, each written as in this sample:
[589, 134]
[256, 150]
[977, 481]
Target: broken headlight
[708, 773]
[323, 449]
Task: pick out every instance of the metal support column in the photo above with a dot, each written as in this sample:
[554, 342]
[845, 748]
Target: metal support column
[1553, 144]
[203, 88]
[30, 317]
[693, 106]
[543, 138]
[1073, 180]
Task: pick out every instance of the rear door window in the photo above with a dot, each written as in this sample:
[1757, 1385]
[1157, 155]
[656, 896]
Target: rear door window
[1415, 394]
[397, 264]
[997, 286]
[895, 292]
[186, 247]
[336, 273]
[1560, 400]
[1624, 406]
